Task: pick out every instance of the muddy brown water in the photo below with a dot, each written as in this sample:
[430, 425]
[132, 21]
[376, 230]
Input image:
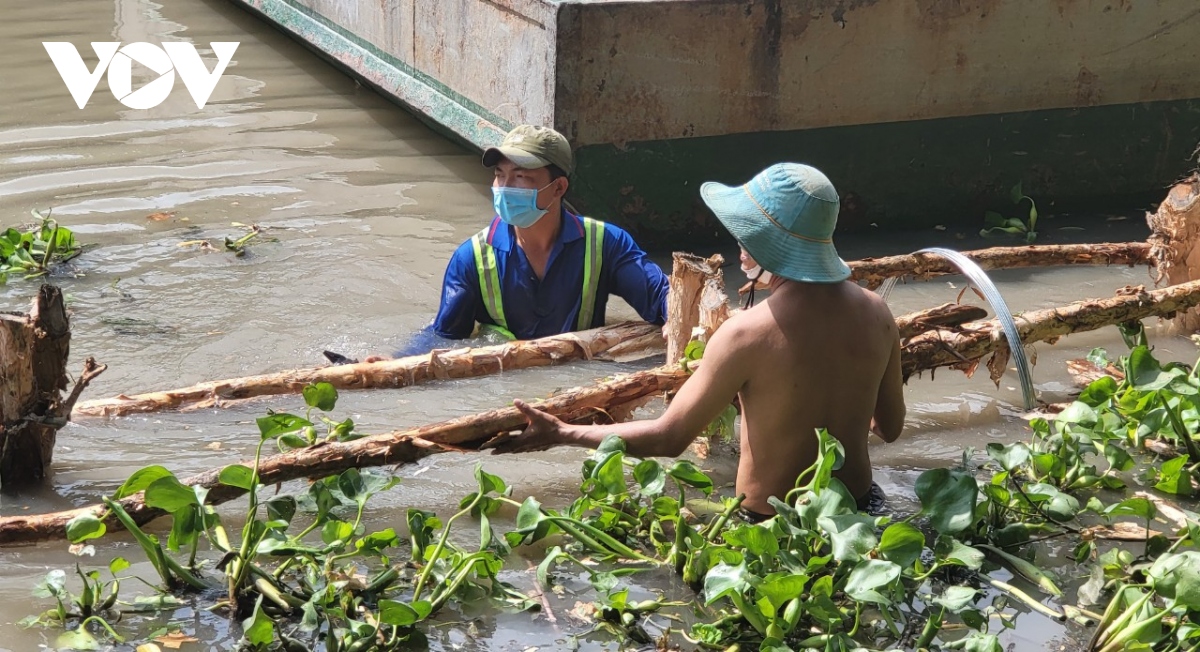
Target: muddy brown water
[364, 205]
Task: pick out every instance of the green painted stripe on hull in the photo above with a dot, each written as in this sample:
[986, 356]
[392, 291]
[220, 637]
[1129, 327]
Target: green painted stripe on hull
[423, 95]
[906, 174]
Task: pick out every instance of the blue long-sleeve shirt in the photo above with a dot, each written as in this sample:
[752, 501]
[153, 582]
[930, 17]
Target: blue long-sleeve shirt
[538, 308]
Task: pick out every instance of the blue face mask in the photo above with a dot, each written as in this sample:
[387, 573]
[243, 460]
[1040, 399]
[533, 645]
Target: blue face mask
[518, 206]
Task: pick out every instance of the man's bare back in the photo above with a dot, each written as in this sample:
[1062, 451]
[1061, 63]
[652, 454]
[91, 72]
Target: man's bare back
[819, 357]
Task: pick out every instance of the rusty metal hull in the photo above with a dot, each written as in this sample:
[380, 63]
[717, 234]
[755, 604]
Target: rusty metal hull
[921, 111]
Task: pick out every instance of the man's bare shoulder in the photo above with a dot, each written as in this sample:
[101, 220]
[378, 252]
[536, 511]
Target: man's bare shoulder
[739, 331]
[877, 306]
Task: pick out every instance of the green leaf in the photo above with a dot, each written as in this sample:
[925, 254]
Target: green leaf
[399, 614]
[782, 588]
[1077, 412]
[1173, 478]
[1099, 391]
[335, 530]
[321, 395]
[723, 579]
[948, 498]
[980, 642]
[1015, 194]
[1009, 457]
[351, 485]
[237, 475]
[52, 585]
[650, 477]
[852, 535]
[609, 474]
[868, 577]
[294, 441]
[754, 539]
[693, 351]
[992, 219]
[1118, 458]
[1146, 374]
[170, 495]
[609, 445]
[277, 424]
[377, 542]
[530, 514]
[953, 551]
[1062, 506]
[140, 480]
[258, 628]
[956, 598]
[1177, 577]
[117, 565]
[84, 527]
[489, 483]
[901, 543]
[76, 639]
[1099, 357]
[281, 508]
[687, 473]
[1139, 507]
[543, 569]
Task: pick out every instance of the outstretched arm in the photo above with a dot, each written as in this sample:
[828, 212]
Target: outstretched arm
[721, 375]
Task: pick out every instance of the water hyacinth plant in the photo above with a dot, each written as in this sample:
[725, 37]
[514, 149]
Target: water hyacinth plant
[303, 573]
[33, 251]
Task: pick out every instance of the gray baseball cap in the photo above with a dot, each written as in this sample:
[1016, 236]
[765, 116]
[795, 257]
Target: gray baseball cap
[532, 147]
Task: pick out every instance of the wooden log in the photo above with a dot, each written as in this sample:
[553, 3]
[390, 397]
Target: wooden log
[33, 361]
[1175, 243]
[692, 278]
[966, 347]
[943, 316]
[871, 272]
[580, 405]
[1084, 372]
[401, 372]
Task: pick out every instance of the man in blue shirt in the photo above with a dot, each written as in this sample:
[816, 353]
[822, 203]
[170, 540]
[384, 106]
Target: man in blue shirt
[538, 269]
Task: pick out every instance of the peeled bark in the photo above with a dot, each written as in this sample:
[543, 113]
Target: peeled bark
[966, 347]
[871, 272]
[33, 361]
[693, 280]
[1175, 243]
[401, 372]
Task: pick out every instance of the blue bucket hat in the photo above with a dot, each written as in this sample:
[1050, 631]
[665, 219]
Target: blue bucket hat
[784, 217]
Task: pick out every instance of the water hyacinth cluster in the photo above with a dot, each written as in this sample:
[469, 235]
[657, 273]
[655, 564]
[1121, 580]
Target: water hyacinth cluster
[303, 572]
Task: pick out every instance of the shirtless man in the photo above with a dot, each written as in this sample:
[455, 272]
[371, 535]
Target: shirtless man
[820, 352]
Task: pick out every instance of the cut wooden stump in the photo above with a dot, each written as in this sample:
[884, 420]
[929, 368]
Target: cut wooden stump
[625, 339]
[33, 362]
[695, 281]
[1175, 243]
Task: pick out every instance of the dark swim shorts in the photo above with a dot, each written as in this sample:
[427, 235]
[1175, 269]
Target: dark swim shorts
[873, 502]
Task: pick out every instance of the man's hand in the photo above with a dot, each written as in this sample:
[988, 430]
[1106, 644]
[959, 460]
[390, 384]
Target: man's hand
[544, 431]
